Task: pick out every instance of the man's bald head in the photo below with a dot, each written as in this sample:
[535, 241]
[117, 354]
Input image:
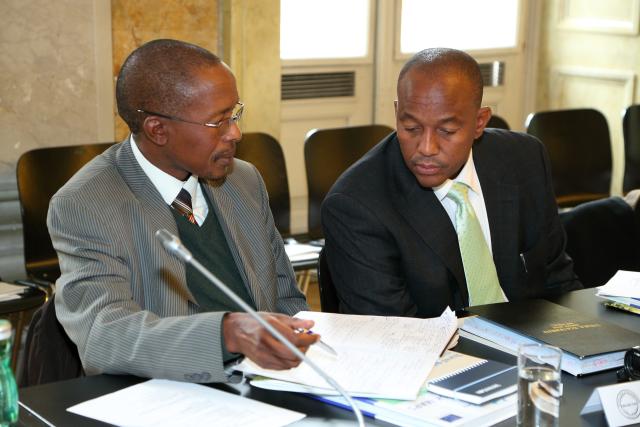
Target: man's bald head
[436, 62]
[158, 76]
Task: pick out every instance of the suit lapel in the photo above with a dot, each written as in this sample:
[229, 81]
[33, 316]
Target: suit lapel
[225, 199]
[156, 213]
[501, 201]
[422, 210]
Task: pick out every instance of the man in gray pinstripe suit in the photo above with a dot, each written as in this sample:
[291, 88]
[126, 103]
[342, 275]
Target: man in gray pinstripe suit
[129, 306]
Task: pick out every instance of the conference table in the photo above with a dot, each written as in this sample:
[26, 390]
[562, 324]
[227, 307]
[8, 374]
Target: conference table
[17, 303]
[49, 401]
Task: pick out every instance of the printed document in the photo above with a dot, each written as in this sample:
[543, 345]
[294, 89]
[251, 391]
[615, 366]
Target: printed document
[622, 284]
[160, 403]
[385, 357]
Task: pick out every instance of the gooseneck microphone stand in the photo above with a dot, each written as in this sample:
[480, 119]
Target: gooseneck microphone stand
[173, 245]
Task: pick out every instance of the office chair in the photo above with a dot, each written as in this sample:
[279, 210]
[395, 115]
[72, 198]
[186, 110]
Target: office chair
[631, 132]
[265, 153]
[327, 154]
[579, 148]
[602, 238]
[49, 355]
[329, 302]
[497, 122]
[40, 173]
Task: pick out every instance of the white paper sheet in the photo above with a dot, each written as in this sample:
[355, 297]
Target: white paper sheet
[170, 403]
[622, 284]
[10, 292]
[387, 357]
[447, 364]
[300, 251]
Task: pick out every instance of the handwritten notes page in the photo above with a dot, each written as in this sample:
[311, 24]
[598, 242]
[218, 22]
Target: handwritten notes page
[161, 403]
[387, 357]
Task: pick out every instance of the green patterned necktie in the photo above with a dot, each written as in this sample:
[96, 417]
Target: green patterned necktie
[479, 269]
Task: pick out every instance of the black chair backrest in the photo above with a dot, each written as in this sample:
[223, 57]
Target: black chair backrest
[579, 147]
[631, 132]
[40, 173]
[265, 153]
[497, 122]
[602, 238]
[48, 355]
[327, 154]
[329, 302]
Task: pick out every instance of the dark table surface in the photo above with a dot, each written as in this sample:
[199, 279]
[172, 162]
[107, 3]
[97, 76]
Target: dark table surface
[29, 298]
[51, 400]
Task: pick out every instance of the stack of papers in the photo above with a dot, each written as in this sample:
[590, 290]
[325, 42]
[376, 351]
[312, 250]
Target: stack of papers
[381, 357]
[622, 291]
[301, 252]
[588, 344]
[10, 292]
[431, 409]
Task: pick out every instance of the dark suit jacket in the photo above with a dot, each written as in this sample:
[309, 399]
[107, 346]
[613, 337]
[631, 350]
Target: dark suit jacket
[392, 249]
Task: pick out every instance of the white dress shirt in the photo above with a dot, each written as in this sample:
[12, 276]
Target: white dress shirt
[469, 177]
[169, 186]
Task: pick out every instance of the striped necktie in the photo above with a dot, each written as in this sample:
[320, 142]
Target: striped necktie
[182, 204]
[479, 268]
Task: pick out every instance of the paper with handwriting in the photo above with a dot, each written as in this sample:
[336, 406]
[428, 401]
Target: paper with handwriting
[386, 357]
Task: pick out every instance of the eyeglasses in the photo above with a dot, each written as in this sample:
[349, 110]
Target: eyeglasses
[235, 116]
[631, 369]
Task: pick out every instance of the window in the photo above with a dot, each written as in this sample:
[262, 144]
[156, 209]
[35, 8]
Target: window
[312, 29]
[459, 24]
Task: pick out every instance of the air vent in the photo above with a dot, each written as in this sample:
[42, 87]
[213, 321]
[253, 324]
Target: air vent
[318, 85]
[492, 73]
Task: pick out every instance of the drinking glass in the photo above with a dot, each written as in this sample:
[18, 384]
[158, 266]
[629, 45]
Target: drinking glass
[539, 385]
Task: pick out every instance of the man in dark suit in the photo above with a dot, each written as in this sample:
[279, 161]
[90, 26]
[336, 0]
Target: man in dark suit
[443, 212]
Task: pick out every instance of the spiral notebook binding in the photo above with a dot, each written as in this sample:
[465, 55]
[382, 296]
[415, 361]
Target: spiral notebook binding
[463, 370]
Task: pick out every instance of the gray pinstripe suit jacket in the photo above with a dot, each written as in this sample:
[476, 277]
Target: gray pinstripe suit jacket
[124, 301]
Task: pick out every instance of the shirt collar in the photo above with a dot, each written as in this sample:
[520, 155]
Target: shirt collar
[467, 175]
[167, 185]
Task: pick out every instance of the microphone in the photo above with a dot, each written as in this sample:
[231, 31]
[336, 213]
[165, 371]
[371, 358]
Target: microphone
[174, 246]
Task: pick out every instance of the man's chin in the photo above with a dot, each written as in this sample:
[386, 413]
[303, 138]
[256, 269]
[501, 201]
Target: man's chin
[219, 175]
[430, 181]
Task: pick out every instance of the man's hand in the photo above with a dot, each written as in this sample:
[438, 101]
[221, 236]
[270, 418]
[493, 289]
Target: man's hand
[243, 334]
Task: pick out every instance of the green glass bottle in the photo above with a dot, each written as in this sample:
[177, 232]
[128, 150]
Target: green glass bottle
[8, 388]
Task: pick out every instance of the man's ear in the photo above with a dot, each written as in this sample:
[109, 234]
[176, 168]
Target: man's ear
[155, 130]
[484, 114]
[395, 107]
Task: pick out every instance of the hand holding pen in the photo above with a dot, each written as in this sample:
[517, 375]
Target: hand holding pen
[323, 345]
[242, 334]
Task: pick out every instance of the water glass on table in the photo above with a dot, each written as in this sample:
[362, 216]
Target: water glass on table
[539, 385]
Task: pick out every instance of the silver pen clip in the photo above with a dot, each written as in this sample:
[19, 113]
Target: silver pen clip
[524, 263]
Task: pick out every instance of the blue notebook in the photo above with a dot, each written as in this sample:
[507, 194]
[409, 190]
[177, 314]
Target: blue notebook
[479, 383]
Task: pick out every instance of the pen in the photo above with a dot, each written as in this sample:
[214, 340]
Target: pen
[524, 263]
[326, 347]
